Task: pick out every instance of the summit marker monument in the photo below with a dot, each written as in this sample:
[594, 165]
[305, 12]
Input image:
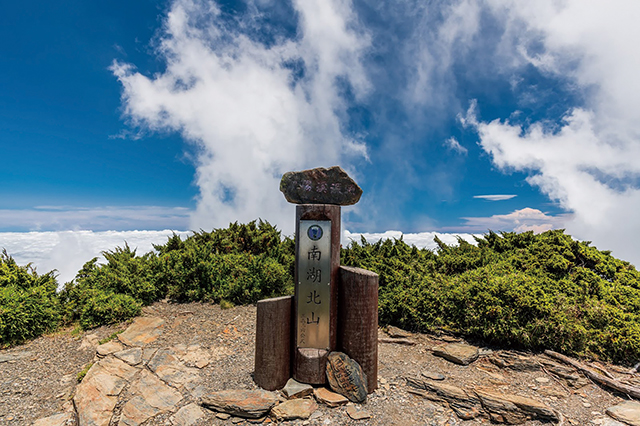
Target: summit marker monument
[301, 331]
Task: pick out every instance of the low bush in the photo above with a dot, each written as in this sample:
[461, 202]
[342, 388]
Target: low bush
[524, 291]
[28, 303]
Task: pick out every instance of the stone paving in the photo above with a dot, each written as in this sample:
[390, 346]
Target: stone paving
[136, 383]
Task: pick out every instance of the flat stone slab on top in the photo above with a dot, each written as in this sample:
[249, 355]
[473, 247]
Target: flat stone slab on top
[320, 186]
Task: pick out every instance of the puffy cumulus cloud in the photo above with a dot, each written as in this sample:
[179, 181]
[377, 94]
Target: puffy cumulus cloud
[254, 104]
[420, 239]
[53, 218]
[67, 251]
[522, 220]
[587, 161]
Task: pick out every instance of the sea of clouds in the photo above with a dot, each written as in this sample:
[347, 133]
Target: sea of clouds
[67, 251]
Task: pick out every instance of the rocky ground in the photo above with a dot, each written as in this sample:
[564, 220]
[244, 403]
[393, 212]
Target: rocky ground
[159, 371]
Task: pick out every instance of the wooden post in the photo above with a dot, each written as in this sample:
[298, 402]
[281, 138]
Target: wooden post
[358, 320]
[309, 364]
[273, 342]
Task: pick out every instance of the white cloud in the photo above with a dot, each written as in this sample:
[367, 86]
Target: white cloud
[253, 110]
[420, 240]
[53, 218]
[67, 251]
[454, 145]
[588, 162]
[526, 219]
[496, 197]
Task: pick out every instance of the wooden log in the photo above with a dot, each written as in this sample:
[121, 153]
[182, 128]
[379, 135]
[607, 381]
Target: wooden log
[273, 342]
[597, 377]
[358, 320]
[318, 212]
[311, 366]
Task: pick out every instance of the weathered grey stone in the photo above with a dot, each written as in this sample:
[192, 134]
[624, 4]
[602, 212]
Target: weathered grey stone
[90, 341]
[252, 404]
[465, 405]
[187, 415]
[152, 397]
[98, 393]
[514, 409]
[131, 356]
[294, 389]
[320, 186]
[397, 332]
[294, 409]
[143, 330]
[168, 367]
[567, 374]
[61, 419]
[457, 352]
[627, 412]
[610, 422]
[433, 376]
[332, 399]
[346, 377]
[357, 413]
[14, 356]
[514, 361]
[196, 356]
[112, 346]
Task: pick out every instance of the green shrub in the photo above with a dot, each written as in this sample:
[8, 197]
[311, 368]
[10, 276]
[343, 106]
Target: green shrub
[240, 264]
[28, 303]
[525, 291]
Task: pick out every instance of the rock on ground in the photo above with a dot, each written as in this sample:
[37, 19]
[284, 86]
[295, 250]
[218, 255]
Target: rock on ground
[346, 377]
[252, 404]
[459, 353]
[627, 412]
[294, 409]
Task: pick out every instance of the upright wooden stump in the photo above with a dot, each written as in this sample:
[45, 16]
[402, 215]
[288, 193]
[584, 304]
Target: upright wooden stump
[358, 320]
[273, 342]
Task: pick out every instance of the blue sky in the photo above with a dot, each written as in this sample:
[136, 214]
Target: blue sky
[454, 116]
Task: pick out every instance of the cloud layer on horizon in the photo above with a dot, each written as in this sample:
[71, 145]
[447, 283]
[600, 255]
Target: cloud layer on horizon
[67, 251]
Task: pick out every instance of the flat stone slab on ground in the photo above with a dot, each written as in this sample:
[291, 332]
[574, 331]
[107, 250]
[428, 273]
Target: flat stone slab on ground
[131, 356]
[357, 413]
[187, 415]
[294, 409]
[252, 404]
[110, 347]
[431, 375]
[152, 397]
[97, 394]
[331, 399]
[320, 186]
[397, 332]
[61, 419]
[143, 330]
[514, 409]
[627, 412]
[459, 353]
[294, 389]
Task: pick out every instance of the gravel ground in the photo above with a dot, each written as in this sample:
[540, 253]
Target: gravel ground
[42, 380]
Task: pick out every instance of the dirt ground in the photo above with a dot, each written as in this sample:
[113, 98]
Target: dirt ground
[41, 381]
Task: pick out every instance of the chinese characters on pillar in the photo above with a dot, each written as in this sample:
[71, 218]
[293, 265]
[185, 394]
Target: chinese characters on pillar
[314, 274]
